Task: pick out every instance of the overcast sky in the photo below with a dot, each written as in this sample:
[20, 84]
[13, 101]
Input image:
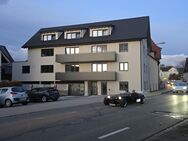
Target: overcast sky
[21, 19]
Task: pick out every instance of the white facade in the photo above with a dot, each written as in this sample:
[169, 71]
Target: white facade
[137, 76]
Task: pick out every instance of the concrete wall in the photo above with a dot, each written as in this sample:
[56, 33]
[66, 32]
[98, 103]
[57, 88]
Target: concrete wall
[154, 75]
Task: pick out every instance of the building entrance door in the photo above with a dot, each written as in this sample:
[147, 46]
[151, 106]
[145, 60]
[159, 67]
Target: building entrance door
[76, 89]
[104, 88]
[92, 88]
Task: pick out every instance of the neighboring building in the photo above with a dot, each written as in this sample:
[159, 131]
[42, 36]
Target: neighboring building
[5, 64]
[92, 59]
[155, 57]
[185, 72]
[165, 72]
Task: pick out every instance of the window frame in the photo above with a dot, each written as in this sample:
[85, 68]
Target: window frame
[99, 67]
[47, 54]
[46, 70]
[26, 70]
[49, 37]
[95, 48]
[124, 66]
[73, 35]
[124, 48]
[122, 88]
[76, 50]
[68, 67]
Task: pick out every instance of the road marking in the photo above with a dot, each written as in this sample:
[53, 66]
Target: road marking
[112, 133]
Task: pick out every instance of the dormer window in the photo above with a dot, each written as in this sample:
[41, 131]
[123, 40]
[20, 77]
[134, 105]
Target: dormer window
[74, 34]
[50, 36]
[103, 31]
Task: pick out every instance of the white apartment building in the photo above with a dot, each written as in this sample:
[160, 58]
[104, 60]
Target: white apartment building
[92, 59]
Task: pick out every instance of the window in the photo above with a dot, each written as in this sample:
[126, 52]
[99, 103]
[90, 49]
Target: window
[99, 67]
[124, 86]
[47, 52]
[2, 91]
[99, 32]
[71, 68]
[98, 48]
[73, 35]
[25, 69]
[47, 68]
[123, 47]
[48, 37]
[123, 66]
[72, 50]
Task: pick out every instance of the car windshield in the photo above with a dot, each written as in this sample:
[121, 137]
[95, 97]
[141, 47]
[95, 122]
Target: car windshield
[17, 89]
[181, 84]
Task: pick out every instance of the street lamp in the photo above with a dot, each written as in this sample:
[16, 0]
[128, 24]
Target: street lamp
[160, 43]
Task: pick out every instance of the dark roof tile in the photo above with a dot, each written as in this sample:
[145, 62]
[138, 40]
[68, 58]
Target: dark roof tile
[123, 30]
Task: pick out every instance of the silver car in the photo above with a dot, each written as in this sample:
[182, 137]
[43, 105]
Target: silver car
[179, 87]
[13, 95]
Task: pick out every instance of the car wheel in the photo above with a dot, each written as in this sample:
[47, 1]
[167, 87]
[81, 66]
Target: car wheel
[8, 103]
[142, 101]
[44, 99]
[55, 99]
[24, 103]
[123, 103]
[106, 102]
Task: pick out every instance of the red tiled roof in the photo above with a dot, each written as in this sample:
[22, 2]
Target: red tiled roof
[156, 50]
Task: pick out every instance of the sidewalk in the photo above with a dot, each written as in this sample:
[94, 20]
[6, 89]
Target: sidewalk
[155, 93]
[178, 133]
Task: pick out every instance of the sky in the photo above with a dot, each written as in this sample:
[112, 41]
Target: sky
[21, 19]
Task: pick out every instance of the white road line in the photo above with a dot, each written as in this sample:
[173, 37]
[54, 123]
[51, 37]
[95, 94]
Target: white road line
[112, 133]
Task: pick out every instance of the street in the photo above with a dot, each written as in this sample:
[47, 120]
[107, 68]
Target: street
[91, 122]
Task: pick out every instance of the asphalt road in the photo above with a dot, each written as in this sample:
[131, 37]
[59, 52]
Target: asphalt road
[95, 121]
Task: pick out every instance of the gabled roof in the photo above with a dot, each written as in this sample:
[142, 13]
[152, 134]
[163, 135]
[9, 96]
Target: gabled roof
[6, 53]
[156, 50]
[186, 66]
[166, 68]
[123, 30]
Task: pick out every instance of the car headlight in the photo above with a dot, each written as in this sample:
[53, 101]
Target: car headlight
[138, 100]
[119, 97]
[185, 87]
[108, 96]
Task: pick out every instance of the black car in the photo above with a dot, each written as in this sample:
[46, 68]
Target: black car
[124, 99]
[43, 94]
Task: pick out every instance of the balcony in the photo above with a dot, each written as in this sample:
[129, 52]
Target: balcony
[86, 57]
[86, 76]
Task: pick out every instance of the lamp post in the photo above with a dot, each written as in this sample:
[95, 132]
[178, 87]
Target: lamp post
[160, 43]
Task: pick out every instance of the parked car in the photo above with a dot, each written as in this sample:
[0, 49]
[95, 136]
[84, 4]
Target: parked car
[180, 87]
[13, 95]
[43, 94]
[124, 99]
